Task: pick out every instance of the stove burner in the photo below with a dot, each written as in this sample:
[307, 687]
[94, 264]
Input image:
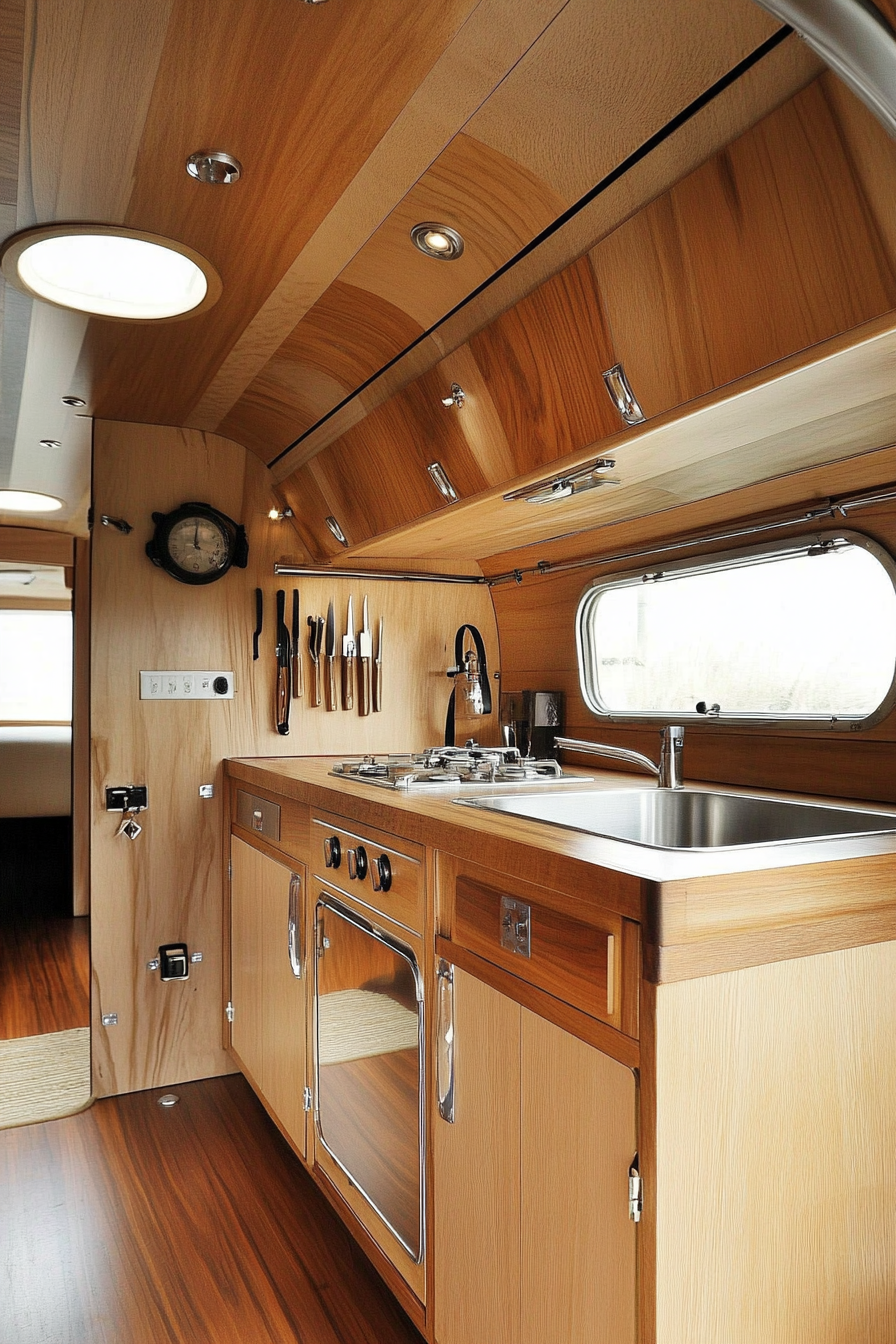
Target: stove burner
[470, 764]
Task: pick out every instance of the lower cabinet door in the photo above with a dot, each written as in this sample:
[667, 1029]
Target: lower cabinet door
[533, 1243]
[268, 982]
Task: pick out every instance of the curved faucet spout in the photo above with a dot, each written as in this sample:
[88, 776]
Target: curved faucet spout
[668, 772]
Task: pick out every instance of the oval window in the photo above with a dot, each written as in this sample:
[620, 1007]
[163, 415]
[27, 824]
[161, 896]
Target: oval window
[799, 631]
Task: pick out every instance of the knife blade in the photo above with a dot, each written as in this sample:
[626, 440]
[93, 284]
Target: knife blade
[378, 673]
[298, 676]
[281, 698]
[365, 648]
[314, 626]
[331, 657]
[348, 659]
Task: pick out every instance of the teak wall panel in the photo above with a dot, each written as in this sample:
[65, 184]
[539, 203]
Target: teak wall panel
[166, 885]
[767, 249]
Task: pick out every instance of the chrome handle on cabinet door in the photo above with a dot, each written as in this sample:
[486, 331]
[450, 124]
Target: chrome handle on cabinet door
[445, 1042]
[623, 397]
[292, 926]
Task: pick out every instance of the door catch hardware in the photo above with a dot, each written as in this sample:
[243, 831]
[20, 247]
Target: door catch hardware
[174, 961]
[635, 1191]
[516, 927]
[127, 798]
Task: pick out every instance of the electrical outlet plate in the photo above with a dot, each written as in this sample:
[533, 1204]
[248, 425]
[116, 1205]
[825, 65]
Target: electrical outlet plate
[173, 685]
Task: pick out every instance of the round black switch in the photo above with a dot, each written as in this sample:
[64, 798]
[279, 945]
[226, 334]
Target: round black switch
[220, 685]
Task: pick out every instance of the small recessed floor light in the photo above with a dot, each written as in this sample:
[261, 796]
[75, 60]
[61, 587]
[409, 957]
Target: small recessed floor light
[111, 272]
[50, 443]
[437, 240]
[73, 401]
[28, 501]
[214, 166]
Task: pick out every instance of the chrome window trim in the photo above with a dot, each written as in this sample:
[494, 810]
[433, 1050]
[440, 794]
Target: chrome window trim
[708, 562]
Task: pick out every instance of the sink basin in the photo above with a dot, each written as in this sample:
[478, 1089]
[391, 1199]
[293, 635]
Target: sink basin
[689, 819]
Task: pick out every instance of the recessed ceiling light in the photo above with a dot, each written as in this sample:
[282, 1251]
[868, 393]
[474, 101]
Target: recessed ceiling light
[73, 401]
[214, 166]
[437, 240]
[114, 273]
[28, 501]
[50, 443]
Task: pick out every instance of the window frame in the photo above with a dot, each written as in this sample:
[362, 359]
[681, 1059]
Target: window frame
[709, 561]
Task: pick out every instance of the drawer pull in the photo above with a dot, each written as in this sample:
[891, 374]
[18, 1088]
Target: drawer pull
[332, 851]
[622, 396]
[516, 926]
[381, 873]
[445, 1042]
[292, 926]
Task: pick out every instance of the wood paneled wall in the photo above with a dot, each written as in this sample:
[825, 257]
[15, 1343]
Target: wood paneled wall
[166, 885]
[536, 621]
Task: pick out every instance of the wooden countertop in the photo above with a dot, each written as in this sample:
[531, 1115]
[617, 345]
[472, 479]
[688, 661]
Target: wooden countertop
[701, 912]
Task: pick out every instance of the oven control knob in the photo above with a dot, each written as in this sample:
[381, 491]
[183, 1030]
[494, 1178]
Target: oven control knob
[357, 862]
[332, 851]
[381, 873]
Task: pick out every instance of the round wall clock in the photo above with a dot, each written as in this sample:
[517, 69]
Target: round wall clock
[197, 543]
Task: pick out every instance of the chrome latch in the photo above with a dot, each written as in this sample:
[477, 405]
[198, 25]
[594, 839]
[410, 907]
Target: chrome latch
[306, 1096]
[635, 1191]
[516, 927]
[228, 1012]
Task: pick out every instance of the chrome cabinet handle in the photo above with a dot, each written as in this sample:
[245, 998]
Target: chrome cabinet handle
[623, 397]
[381, 873]
[332, 851]
[357, 862]
[292, 926]
[445, 1042]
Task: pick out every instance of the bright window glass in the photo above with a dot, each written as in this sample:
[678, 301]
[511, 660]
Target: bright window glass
[36, 666]
[780, 635]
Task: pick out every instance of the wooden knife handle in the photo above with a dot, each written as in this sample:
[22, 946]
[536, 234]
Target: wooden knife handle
[282, 705]
[331, 683]
[316, 666]
[364, 687]
[348, 682]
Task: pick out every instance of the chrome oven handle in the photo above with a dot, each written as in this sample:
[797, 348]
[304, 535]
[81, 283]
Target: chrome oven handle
[292, 926]
[445, 1041]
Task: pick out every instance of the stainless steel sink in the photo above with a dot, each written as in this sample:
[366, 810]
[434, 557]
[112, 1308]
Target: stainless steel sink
[688, 819]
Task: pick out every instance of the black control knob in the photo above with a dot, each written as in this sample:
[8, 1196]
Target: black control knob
[357, 862]
[332, 851]
[381, 873]
[220, 685]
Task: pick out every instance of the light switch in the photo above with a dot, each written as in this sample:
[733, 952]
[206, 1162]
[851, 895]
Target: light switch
[173, 685]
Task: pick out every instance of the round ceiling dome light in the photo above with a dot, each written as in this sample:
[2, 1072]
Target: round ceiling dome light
[28, 501]
[214, 166]
[111, 272]
[437, 240]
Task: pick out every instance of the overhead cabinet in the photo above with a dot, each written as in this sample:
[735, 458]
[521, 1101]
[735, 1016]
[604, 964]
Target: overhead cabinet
[533, 1142]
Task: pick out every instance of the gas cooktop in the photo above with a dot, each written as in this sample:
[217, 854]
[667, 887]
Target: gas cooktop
[450, 766]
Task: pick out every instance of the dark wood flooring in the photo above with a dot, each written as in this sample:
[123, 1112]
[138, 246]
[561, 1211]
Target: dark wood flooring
[130, 1223]
[44, 975]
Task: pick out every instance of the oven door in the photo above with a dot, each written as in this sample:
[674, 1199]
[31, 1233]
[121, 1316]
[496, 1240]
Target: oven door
[368, 1058]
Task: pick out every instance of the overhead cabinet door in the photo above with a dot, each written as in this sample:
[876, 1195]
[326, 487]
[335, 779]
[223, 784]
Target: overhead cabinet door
[267, 982]
[533, 1241]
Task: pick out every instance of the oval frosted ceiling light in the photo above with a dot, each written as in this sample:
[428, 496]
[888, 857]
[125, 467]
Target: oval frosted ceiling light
[28, 501]
[110, 272]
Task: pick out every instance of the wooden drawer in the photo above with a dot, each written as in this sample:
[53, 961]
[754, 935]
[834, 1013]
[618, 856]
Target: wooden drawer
[284, 822]
[581, 958]
[403, 902]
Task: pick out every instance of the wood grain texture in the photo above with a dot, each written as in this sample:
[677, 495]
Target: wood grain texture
[44, 975]
[32, 545]
[578, 1138]
[404, 902]
[268, 1034]
[476, 1174]
[167, 884]
[741, 1107]
[131, 1222]
[12, 37]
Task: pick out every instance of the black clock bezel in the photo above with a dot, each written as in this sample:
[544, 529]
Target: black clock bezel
[160, 554]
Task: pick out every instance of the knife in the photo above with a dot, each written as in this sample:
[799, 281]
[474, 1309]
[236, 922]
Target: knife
[378, 673]
[331, 657]
[281, 700]
[365, 648]
[298, 678]
[314, 629]
[348, 659]
[259, 622]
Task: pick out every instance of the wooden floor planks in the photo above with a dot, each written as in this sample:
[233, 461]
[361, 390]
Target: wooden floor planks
[44, 975]
[130, 1223]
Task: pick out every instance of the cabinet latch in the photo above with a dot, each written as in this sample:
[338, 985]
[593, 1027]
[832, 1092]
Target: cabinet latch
[516, 927]
[228, 1012]
[635, 1191]
[307, 1098]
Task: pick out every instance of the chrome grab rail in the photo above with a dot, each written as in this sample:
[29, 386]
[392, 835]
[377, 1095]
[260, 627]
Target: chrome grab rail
[445, 1042]
[292, 926]
[668, 772]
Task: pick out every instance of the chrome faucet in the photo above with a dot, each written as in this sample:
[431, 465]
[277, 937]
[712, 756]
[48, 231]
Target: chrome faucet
[668, 772]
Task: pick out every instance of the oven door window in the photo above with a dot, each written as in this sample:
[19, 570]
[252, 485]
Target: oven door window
[369, 1060]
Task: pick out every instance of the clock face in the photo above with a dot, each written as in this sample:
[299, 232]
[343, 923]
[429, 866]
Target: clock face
[199, 546]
